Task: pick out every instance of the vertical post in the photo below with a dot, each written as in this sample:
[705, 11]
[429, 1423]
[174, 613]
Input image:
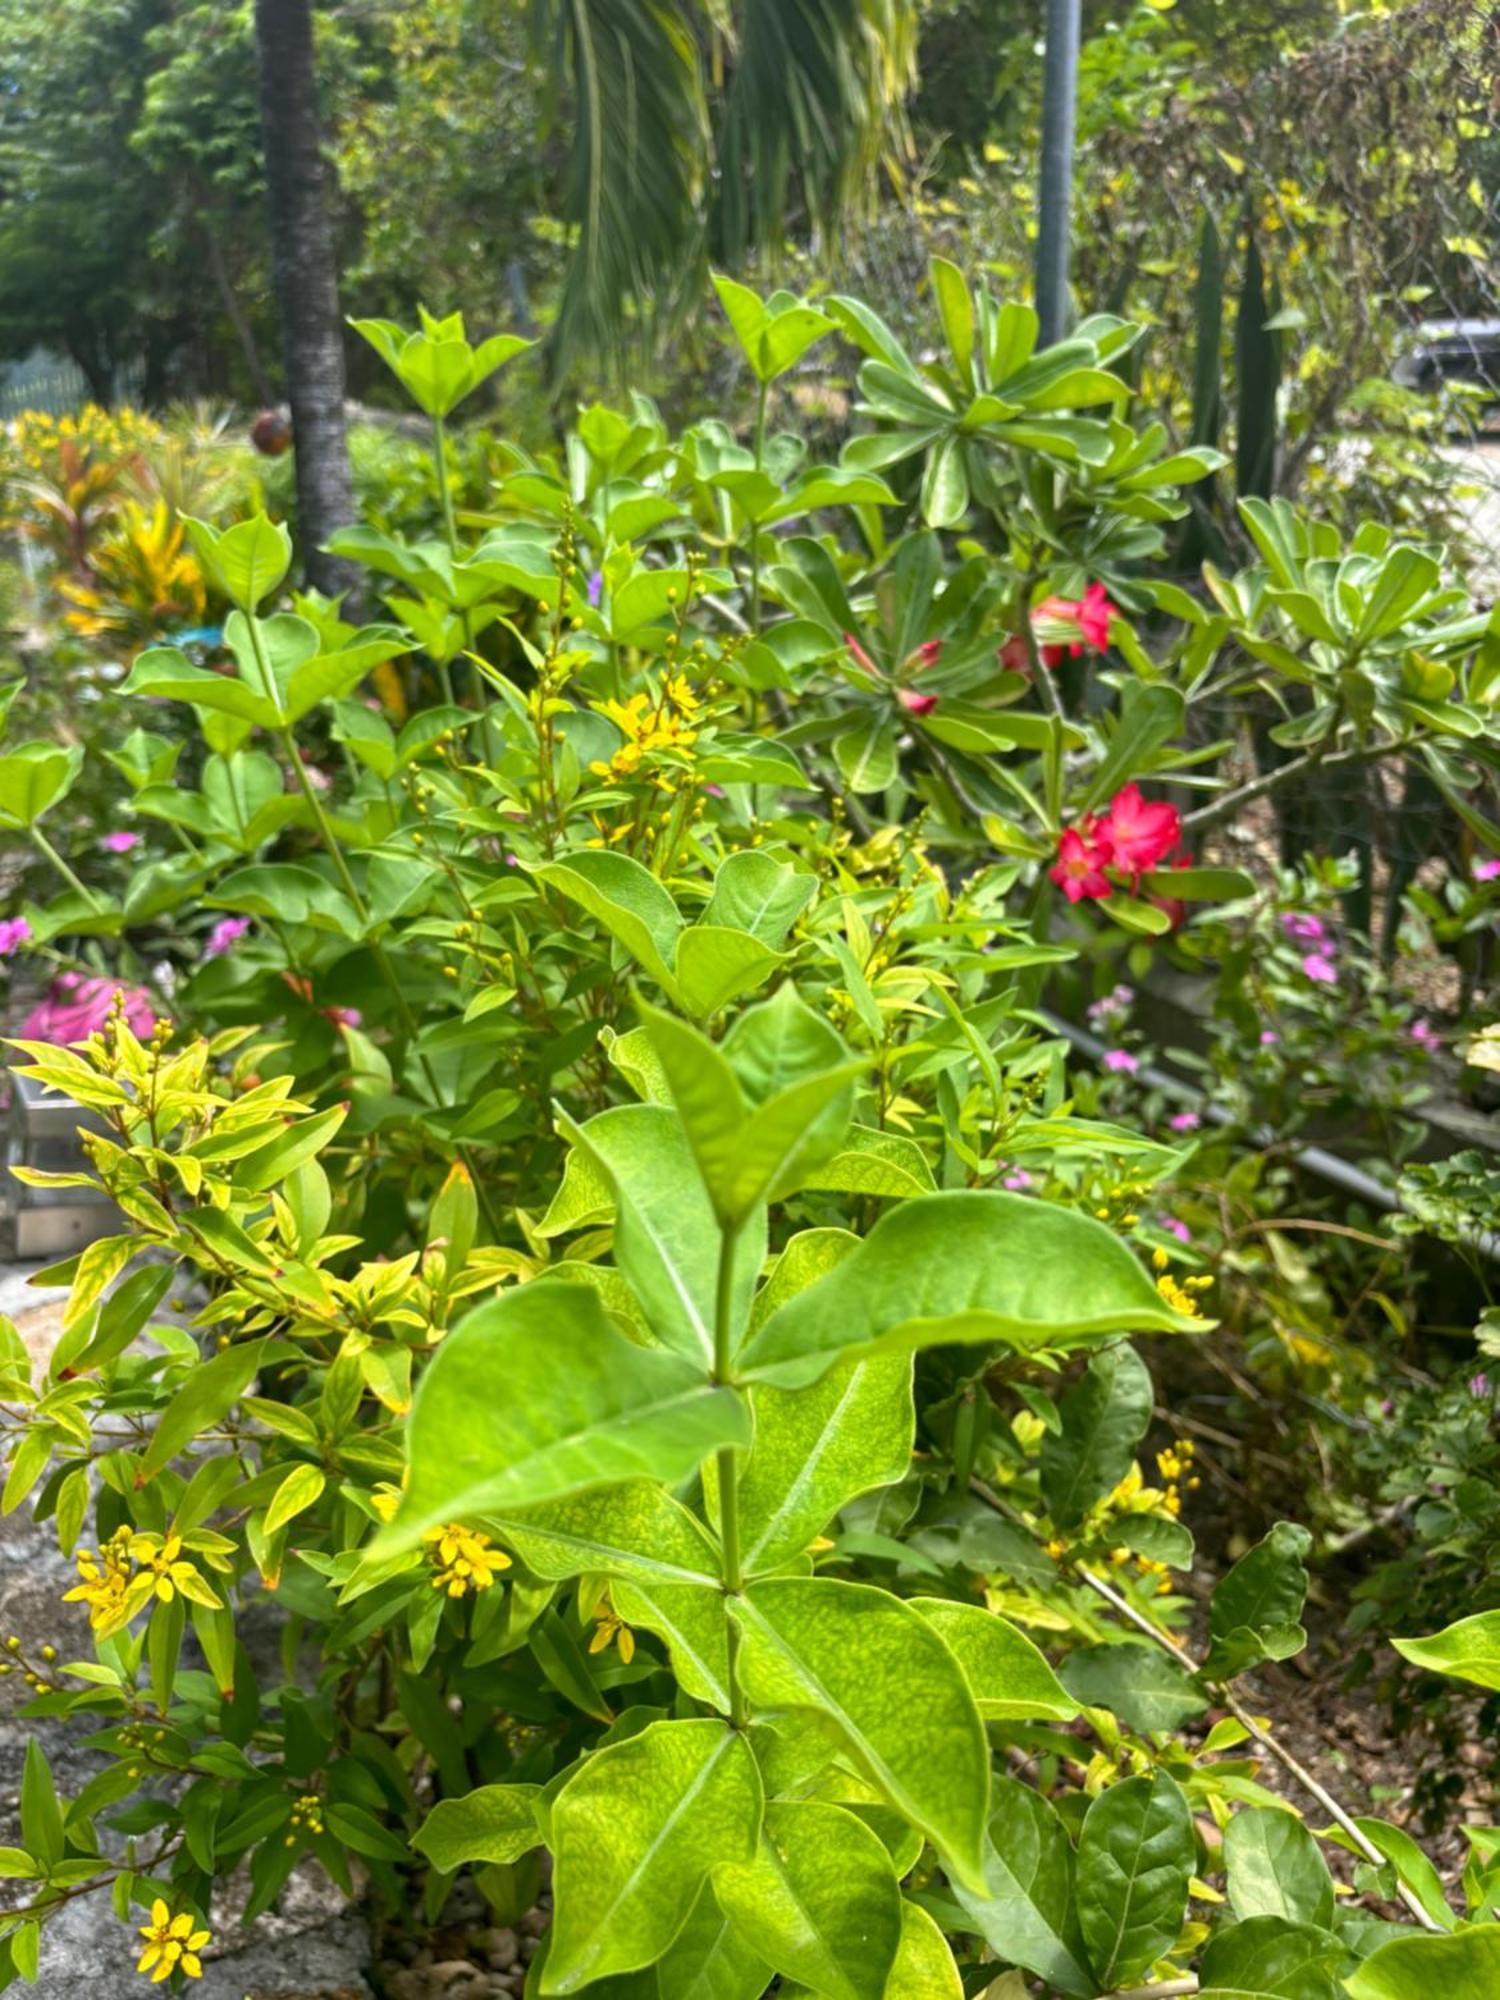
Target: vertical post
[1055, 186]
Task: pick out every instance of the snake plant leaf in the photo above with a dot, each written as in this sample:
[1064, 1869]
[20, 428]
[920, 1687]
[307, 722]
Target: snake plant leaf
[1136, 1857]
[877, 1670]
[820, 1899]
[974, 1266]
[635, 1831]
[1010, 1677]
[535, 1396]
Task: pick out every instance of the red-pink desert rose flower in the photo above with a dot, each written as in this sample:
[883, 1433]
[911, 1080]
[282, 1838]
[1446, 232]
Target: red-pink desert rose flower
[1090, 613]
[1141, 832]
[75, 1007]
[1081, 860]
[914, 703]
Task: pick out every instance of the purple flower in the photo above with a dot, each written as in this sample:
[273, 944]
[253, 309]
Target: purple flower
[596, 585]
[1424, 1034]
[1112, 1006]
[1304, 925]
[1479, 1385]
[1184, 1121]
[225, 934]
[1269, 1038]
[14, 932]
[1175, 1228]
[120, 843]
[1320, 967]
[1017, 1180]
[1121, 1061]
[1487, 870]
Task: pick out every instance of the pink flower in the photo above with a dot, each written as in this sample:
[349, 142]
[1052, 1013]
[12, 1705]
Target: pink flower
[1121, 1061]
[225, 934]
[1014, 655]
[76, 1007]
[1175, 1228]
[928, 653]
[1479, 1385]
[344, 1017]
[1424, 1034]
[1017, 1180]
[1079, 868]
[1487, 870]
[1141, 832]
[1090, 614]
[1320, 967]
[120, 843]
[858, 654]
[14, 932]
[1184, 1121]
[1304, 926]
[914, 703]
[1269, 1038]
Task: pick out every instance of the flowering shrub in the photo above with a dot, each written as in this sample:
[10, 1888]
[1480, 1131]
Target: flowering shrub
[659, 1306]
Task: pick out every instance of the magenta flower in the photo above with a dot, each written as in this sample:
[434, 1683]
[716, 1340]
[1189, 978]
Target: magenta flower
[120, 843]
[14, 932]
[1175, 1228]
[1017, 1180]
[1424, 1034]
[344, 1017]
[1479, 1385]
[225, 934]
[1302, 924]
[1121, 1061]
[1320, 967]
[1184, 1121]
[1269, 1038]
[76, 1007]
[1487, 870]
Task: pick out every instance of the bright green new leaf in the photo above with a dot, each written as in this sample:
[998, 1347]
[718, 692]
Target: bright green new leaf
[1254, 1610]
[1010, 1678]
[924, 1968]
[1463, 1967]
[895, 1693]
[692, 1622]
[967, 1266]
[34, 777]
[300, 1489]
[636, 1530]
[492, 1823]
[1467, 1651]
[1025, 1908]
[535, 1396]
[635, 1831]
[710, 1959]
[1136, 1857]
[247, 561]
[628, 900]
[820, 1899]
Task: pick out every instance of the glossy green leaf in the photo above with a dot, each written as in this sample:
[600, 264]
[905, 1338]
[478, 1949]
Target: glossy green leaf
[1467, 1651]
[820, 1900]
[1255, 1607]
[1463, 1967]
[1276, 1868]
[635, 1831]
[924, 1968]
[895, 1693]
[1269, 1957]
[1025, 1909]
[818, 1448]
[1010, 1678]
[1136, 1857]
[628, 900]
[209, 1393]
[967, 1266]
[491, 1823]
[247, 561]
[634, 1530]
[692, 1622]
[1138, 1683]
[1103, 1418]
[755, 892]
[582, 1407]
[710, 1958]
[34, 777]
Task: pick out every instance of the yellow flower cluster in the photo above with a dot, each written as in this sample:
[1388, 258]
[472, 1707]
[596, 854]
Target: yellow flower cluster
[1180, 1297]
[307, 1817]
[669, 722]
[36, 436]
[172, 1944]
[611, 1629]
[135, 1569]
[463, 1559]
[1175, 1465]
[103, 1579]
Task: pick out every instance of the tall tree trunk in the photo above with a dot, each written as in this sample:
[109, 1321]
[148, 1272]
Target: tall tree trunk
[306, 284]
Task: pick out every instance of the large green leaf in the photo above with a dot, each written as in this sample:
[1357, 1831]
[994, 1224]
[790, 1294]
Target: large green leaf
[666, 1232]
[818, 1448]
[535, 1396]
[755, 892]
[635, 1530]
[966, 1266]
[491, 1823]
[635, 1831]
[895, 1693]
[1255, 1607]
[1468, 1651]
[247, 560]
[1463, 1967]
[924, 1968]
[1271, 1959]
[628, 900]
[1276, 1868]
[820, 1900]
[1136, 1857]
[691, 1620]
[1102, 1419]
[1137, 1682]
[33, 777]
[710, 1959]
[1010, 1678]
[1025, 1909]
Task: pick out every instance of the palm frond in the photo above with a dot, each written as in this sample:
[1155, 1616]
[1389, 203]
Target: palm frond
[638, 164]
[815, 101]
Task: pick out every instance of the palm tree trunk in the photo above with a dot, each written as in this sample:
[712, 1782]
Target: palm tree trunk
[306, 284]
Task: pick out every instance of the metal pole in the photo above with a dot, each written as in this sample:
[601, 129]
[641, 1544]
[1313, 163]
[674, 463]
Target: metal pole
[1055, 190]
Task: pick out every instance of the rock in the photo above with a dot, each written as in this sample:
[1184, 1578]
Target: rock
[501, 1947]
[450, 1971]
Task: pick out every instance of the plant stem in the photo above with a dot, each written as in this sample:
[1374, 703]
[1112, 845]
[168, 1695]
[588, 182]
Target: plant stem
[760, 451]
[1366, 1847]
[728, 1467]
[45, 848]
[1228, 803]
[450, 529]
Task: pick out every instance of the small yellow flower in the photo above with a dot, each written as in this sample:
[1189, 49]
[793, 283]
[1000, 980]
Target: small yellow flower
[610, 1629]
[103, 1580]
[172, 1944]
[465, 1559]
[1175, 1295]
